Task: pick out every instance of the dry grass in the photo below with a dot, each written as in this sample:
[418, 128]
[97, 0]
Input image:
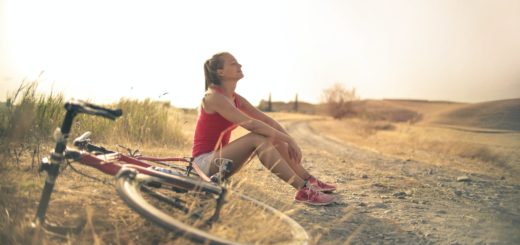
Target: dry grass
[28, 119]
[76, 199]
[471, 151]
[374, 110]
[146, 122]
[437, 132]
[429, 110]
[502, 115]
[287, 116]
[108, 220]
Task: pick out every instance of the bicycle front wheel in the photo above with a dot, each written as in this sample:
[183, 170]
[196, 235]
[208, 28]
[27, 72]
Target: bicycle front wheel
[190, 213]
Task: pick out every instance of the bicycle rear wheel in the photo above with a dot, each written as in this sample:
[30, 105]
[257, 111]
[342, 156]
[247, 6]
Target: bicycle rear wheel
[242, 220]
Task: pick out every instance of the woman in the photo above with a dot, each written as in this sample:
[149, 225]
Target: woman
[222, 110]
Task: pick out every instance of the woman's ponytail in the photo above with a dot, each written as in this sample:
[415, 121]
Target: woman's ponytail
[207, 74]
[210, 70]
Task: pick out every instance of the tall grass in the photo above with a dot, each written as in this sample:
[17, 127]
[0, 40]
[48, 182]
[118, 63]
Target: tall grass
[28, 119]
[145, 122]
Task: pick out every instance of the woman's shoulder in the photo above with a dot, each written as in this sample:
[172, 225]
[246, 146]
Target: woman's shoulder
[212, 95]
[213, 100]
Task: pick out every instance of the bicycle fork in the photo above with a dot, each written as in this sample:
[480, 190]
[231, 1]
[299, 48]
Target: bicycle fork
[52, 173]
[53, 167]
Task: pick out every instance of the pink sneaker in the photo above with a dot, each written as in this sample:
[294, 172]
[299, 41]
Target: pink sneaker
[313, 197]
[320, 186]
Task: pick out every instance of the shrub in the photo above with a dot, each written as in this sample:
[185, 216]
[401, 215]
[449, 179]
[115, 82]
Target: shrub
[339, 101]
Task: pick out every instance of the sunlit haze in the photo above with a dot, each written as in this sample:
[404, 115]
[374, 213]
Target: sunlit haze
[466, 51]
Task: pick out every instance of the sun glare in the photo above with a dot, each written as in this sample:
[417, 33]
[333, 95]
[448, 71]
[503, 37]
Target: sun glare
[106, 53]
[105, 50]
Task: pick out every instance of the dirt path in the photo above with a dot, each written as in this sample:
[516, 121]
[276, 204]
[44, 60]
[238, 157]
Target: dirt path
[386, 200]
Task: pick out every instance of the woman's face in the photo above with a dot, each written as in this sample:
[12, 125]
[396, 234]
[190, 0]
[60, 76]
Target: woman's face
[232, 70]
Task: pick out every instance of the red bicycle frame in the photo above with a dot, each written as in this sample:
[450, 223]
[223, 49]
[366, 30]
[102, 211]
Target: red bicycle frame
[112, 163]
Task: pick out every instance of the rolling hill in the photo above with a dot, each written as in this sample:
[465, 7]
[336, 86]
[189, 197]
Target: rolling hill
[497, 115]
[502, 114]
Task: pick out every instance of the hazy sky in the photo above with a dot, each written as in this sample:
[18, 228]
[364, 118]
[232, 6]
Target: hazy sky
[465, 50]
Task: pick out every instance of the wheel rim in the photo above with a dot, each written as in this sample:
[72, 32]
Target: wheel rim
[128, 187]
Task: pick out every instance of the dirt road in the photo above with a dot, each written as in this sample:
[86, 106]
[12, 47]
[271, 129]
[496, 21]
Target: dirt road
[386, 200]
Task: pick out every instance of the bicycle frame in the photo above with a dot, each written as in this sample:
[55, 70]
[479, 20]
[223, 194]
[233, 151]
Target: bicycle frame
[57, 156]
[112, 163]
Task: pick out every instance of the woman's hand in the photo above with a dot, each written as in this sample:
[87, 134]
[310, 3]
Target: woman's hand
[295, 153]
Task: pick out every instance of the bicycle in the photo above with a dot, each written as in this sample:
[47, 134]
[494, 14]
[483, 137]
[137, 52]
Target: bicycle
[168, 191]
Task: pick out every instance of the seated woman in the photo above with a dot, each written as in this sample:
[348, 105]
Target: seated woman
[222, 110]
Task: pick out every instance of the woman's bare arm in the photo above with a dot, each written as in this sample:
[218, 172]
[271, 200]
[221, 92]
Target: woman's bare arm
[214, 102]
[253, 112]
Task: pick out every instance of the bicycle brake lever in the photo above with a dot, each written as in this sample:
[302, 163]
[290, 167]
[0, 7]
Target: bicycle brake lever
[82, 141]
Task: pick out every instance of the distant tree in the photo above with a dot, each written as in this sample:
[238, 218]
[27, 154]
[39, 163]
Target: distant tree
[296, 103]
[339, 100]
[269, 104]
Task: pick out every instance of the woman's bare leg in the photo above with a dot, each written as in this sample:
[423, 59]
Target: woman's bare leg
[241, 150]
[297, 167]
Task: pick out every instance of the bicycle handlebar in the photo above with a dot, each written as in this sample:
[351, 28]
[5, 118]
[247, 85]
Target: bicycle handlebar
[88, 108]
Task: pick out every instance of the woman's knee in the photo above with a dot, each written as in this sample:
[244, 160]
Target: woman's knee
[283, 149]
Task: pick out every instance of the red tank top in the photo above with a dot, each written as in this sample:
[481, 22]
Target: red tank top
[212, 131]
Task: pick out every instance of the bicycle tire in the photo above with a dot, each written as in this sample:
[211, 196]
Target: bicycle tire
[133, 188]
